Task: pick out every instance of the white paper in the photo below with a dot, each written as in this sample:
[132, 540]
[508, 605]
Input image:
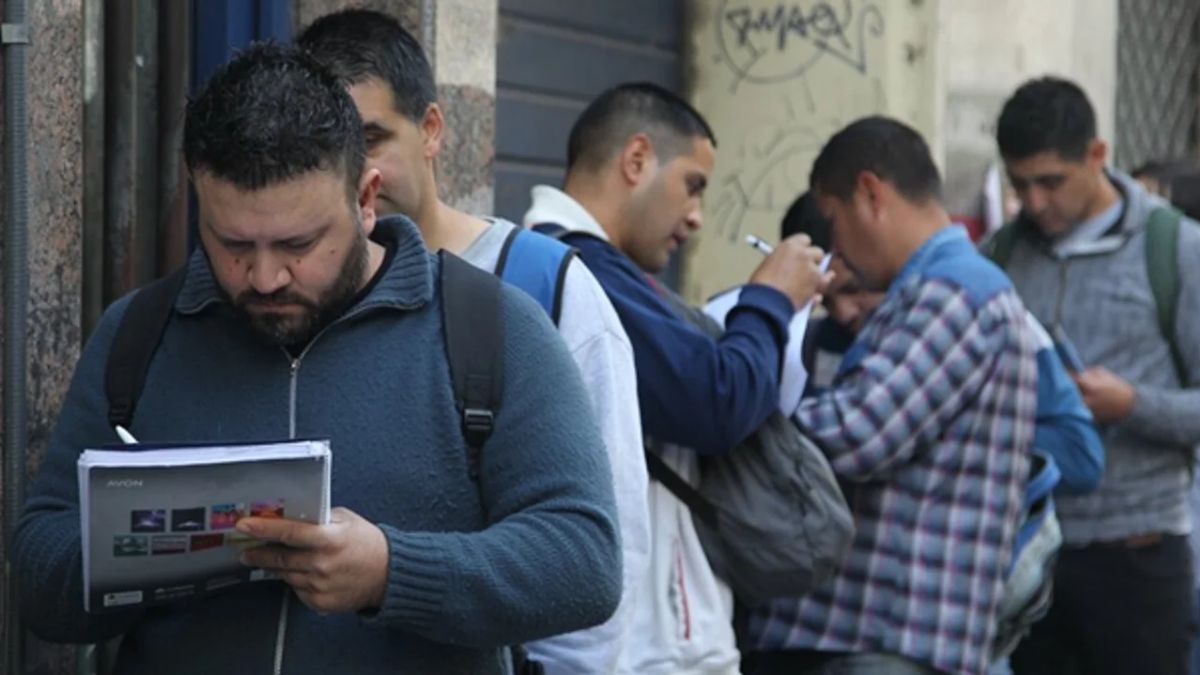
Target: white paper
[795, 376]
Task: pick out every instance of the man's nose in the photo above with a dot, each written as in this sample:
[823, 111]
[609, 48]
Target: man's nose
[267, 274]
[1035, 200]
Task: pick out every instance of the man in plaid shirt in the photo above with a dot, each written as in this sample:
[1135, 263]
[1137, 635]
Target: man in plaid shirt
[928, 424]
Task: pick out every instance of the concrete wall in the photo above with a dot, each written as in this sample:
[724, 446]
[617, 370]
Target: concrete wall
[776, 78]
[460, 38]
[993, 46]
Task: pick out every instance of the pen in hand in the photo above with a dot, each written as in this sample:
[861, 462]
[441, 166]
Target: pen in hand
[124, 434]
[759, 245]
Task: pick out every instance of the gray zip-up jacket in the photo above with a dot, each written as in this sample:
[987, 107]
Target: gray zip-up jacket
[1100, 294]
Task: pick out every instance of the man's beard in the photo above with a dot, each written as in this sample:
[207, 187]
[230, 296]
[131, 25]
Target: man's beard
[291, 330]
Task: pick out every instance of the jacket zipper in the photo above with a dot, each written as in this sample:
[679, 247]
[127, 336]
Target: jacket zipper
[1062, 293]
[293, 372]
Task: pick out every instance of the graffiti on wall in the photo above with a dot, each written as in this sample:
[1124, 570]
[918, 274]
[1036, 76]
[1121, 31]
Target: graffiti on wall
[790, 52]
[770, 173]
[782, 42]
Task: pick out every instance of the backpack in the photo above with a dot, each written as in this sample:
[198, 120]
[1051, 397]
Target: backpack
[769, 514]
[472, 329]
[1029, 583]
[1162, 267]
[536, 264]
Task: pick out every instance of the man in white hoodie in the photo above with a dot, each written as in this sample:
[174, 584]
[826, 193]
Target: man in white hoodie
[638, 160]
[392, 85]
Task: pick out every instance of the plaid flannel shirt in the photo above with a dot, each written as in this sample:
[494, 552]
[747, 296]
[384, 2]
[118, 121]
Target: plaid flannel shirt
[928, 425]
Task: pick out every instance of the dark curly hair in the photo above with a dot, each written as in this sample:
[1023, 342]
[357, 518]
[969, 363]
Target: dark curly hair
[270, 115]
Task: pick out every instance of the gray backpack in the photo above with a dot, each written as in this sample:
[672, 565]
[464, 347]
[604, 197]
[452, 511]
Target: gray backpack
[770, 515]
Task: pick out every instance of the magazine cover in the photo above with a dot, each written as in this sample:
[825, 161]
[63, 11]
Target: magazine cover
[158, 523]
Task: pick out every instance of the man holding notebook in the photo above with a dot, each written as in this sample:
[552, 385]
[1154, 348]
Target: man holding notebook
[305, 316]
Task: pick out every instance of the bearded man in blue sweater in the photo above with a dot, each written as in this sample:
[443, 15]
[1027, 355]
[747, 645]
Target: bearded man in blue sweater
[304, 316]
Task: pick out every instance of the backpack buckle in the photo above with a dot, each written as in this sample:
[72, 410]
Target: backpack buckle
[478, 421]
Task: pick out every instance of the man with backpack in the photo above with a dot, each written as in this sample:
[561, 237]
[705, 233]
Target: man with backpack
[928, 423]
[1070, 455]
[638, 161]
[391, 82]
[1111, 269]
[461, 526]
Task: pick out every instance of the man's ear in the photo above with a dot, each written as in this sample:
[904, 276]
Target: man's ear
[869, 187]
[368, 189]
[637, 159]
[1097, 154]
[433, 126]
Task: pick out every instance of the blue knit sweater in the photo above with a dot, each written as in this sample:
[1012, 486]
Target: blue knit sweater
[528, 552]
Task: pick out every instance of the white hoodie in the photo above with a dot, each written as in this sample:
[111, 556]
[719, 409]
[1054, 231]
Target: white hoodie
[682, 622]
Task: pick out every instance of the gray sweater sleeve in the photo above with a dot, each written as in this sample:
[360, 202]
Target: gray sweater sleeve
[549, 561]
[1172, 415]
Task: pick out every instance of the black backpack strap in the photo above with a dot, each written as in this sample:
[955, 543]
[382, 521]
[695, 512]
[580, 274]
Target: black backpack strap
[700, 507]
[471, 321]
[505, 249]
[133, 346]
[560, 284]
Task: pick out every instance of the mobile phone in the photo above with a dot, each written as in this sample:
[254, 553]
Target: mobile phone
[1066, 350]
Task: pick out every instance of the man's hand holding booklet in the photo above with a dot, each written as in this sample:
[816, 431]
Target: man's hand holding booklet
[161, 522]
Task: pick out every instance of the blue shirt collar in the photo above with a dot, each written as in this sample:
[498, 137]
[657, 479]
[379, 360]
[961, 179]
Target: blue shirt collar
[951, 236]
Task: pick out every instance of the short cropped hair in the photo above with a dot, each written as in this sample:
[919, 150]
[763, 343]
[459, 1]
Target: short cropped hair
[803, 217]
[632, 108]
[359, 44]
[890, 149]
[270, 115]
[1048, 114]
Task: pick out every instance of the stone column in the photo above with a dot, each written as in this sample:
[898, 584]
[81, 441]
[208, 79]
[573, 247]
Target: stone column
[55, 170]
[459, 36]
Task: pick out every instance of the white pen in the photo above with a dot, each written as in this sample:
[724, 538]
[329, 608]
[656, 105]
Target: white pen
[766, 249]
[824, 266]
[126, 437]
[759, 245]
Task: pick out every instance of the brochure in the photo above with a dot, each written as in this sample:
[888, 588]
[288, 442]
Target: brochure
[158, 521]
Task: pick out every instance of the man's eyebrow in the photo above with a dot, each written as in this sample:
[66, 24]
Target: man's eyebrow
[306, 237]
[376, 128]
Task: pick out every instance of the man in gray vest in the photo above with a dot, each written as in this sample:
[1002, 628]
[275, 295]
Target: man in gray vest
[1084, 254]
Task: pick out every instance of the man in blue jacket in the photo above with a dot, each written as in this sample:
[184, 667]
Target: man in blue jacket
[928, 425]
[304, 316]
[638, 160]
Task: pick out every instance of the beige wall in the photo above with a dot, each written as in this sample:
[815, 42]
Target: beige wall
[992, 46]
[776, 79]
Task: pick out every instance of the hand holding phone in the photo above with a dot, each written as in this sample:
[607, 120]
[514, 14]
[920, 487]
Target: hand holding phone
[1066, 350]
